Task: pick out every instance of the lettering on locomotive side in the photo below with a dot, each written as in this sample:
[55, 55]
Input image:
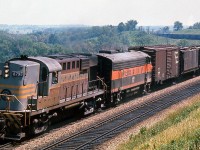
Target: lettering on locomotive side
[127, 73]
[118, 74]
[17, 74]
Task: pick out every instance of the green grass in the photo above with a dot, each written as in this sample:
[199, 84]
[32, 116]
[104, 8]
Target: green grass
[136, 38]
[188, 31]
[190, 142]
[148, 138]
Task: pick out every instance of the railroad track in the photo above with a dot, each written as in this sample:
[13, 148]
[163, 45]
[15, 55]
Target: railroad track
[98, 133]
[6, 146]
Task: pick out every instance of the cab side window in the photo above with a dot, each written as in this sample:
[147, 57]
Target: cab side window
[54, 77]
[44, 74]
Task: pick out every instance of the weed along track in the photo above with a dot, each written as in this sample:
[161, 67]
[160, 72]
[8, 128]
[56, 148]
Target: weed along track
[96, 134]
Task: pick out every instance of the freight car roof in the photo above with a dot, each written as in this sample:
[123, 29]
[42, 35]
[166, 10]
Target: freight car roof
[160, 48]
[52, 64]
[124, 57]
[154, 48]
[189, 48]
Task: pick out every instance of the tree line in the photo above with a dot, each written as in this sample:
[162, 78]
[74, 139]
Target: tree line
[80, 39]
[71, 40]
[179, 26]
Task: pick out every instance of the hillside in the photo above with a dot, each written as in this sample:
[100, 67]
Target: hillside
[187, 31]
[82, 39]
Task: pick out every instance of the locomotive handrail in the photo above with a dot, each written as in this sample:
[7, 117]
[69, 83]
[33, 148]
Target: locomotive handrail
[104, 85]
[37, 87]
[8, 101]
[92, 86]
[15, 98]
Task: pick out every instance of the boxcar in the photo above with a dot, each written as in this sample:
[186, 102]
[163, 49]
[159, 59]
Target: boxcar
[189, 58]
[165, 61]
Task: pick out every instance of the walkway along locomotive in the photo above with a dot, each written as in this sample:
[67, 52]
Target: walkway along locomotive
[34, 90]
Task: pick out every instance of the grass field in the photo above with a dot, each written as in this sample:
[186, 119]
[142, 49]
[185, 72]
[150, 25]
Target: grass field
[179, 131]
[188, 31]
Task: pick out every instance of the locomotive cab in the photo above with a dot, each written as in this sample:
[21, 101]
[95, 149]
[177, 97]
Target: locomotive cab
[21, 80]
[48, 84]
[26, 85]
[48, 77]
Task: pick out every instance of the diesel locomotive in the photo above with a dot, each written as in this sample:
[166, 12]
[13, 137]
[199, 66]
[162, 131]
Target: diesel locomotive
[34, 90]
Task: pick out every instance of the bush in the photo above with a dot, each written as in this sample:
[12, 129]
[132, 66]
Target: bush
[143, 130]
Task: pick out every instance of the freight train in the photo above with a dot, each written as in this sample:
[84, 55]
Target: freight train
[35, 90]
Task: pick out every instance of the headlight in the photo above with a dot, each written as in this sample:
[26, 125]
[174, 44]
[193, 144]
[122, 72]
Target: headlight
[6, 70]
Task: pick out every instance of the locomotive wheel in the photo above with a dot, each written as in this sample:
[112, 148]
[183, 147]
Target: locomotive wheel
[39, 126]
[100, 104]
[116, 99]
[87, 108]
[2, 124]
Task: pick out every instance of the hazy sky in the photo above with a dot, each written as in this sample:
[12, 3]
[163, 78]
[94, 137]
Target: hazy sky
[99, 12]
